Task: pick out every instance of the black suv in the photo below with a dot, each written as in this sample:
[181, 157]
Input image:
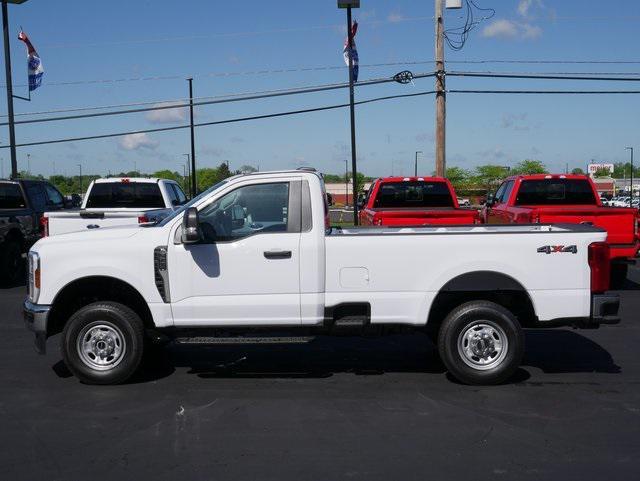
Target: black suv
[22, 203]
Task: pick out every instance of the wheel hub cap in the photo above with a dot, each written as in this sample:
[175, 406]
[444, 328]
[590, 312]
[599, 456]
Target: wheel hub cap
[482, 345]
[101, 346]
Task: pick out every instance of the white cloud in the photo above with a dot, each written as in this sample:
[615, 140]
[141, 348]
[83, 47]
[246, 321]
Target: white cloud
[528, 8]
[523, 7]
[137, 141]
[395, 17]
[503, 28]
[167, 115]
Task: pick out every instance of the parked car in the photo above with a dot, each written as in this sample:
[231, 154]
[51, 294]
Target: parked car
[252, 260]
[118, 201]
[567, 199]
[413, 201]
[463, 202]
[22, 203]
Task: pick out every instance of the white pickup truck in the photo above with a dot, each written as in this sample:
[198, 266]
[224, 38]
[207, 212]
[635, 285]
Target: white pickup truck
[117, 201]
[254, 256]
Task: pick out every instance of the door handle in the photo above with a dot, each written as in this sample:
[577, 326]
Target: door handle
[277, 254]
[93, 226]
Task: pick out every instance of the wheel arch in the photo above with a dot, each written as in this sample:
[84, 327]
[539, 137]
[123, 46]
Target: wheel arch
[482, 285]
[86, 290]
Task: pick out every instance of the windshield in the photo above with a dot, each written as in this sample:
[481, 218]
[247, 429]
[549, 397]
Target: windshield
[11, 197]
[193, 201]
[556, 192]
[413, 194]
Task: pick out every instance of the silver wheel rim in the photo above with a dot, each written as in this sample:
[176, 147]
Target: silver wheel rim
[101, 346]
[482, 345]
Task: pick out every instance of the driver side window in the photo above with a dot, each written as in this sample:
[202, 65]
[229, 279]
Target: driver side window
[246, 211]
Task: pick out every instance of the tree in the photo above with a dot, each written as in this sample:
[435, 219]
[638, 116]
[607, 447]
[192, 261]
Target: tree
[167, 174]
[602, 173]
[457, 176]
[490, 175]
[530, 166]
[247, 169]
[577, 171]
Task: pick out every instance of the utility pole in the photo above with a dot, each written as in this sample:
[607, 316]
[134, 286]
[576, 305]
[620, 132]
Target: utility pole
[194, 183]
[80, 167]
[9, 83]
[415, 170]
[441, 113]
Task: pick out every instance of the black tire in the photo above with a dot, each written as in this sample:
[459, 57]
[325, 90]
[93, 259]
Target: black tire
[114, 325]
[501, 328]
[618, 275]
[11, 262]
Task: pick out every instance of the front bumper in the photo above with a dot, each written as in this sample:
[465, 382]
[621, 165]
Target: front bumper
[36, 317]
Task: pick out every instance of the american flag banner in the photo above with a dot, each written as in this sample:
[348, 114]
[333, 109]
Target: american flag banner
[354, 51]
[34, 64]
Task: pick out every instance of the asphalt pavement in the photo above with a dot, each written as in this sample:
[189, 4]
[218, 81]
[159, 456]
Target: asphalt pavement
[339, 408]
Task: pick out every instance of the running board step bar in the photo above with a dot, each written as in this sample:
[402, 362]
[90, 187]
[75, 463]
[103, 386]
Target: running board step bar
[244, 340]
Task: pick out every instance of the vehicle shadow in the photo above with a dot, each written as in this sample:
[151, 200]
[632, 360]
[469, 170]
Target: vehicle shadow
[19, 281]
[550, 350]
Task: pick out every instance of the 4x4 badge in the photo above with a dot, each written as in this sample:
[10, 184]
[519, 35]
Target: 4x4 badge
[557, 249]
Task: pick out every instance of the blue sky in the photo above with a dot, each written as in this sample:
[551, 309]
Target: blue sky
[81, 41]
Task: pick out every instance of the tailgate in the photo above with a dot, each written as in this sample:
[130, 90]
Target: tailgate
[422, 217]
[620, 223]
[79, 221]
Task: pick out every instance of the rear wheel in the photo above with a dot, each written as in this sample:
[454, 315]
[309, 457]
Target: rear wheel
[103, 343]
[481, 342]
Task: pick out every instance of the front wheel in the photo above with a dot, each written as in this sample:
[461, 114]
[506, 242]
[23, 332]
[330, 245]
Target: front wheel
[103, 343]
[481, 342]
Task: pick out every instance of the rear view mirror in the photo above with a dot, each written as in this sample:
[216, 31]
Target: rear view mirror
[491, 199]
[361, 199]
[190, 226]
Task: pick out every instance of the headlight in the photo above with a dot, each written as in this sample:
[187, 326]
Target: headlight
[34, 276]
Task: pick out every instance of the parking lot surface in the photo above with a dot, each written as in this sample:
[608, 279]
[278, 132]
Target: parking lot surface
[339, 408]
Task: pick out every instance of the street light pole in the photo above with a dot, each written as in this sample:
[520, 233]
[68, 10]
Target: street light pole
[346, 182]
[415, 173]
[194, 183]
[9, 86]
[80, 167]
[189, 174]
[631, 177]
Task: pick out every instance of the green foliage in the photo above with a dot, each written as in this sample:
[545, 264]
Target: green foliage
[529, 166]
[209, 176]
[577, 171]
[489, 176]
[602, 173]
[458, 176]
[167, 174]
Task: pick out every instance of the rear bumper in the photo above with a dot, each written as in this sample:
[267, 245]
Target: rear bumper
[604, 310]
[624, 251]
[36, 317]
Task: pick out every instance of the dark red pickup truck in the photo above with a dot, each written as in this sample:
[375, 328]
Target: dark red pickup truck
[413, 201]
[572, 199]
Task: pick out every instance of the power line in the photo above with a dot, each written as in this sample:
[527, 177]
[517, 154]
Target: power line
[235, 98]
[540, 76]
[219, 122]
[552, 92]
[550, 62]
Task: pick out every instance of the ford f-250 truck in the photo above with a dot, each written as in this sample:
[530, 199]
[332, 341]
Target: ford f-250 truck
[413, 201]
[570, 199]
[118, 201]
[253, 260]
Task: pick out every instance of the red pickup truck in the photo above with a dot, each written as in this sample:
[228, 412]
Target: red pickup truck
[569, 199]
[413, 201]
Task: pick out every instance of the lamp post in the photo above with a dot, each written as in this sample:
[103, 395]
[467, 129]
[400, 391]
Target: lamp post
[28, 164]
[415, 170]
[346, 182]
[631, 177]
[9, 83]
[349, 4]
[194, 182]
[188, 156]
[80, 167]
